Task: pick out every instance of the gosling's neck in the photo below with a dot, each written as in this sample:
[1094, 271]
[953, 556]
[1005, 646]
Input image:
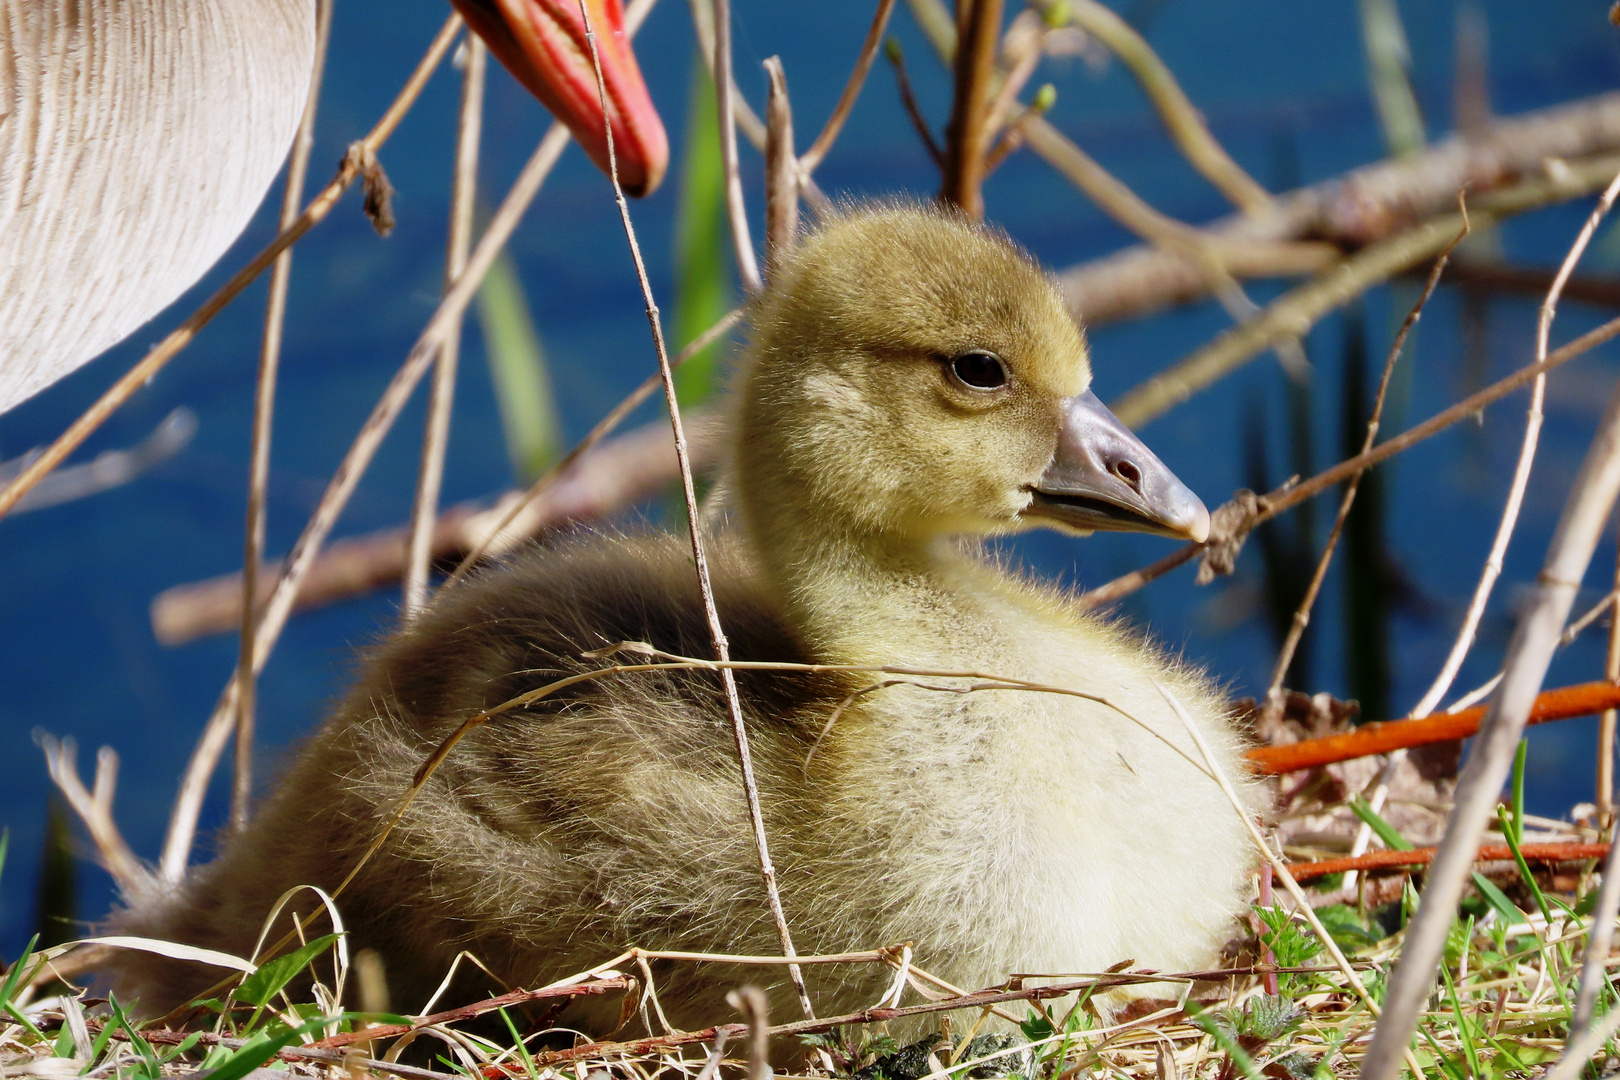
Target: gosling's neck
[859, 595]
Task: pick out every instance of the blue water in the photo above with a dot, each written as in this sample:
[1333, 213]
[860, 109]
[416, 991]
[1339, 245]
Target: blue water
[1283, 86]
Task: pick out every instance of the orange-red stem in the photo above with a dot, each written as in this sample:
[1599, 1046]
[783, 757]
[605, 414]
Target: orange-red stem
[1377, 860]
[1564, 703]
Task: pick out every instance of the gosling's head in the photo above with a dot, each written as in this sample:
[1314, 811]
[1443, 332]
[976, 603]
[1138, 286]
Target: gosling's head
[913, 374]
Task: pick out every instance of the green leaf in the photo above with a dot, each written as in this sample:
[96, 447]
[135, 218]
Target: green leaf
[517, 364]
[1345, 926]
[258, 1049]
[703, 289]
[265, 983]
[1386, 832]
[1498, 900]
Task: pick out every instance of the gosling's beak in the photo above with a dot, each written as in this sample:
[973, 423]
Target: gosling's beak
[1104, 478]
[542, 43]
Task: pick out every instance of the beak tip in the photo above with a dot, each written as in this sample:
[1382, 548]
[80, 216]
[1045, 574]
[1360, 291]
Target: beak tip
[1198, 528]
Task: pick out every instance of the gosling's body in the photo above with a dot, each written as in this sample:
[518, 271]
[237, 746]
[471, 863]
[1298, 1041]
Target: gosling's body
[999, 831]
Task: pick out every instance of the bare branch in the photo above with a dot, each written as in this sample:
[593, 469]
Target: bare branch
[1295, 311]
[1355, 209]
[95, 809]
[618, 473]
[1180, 118]
[967, 136]
[736, 208]
[908, 99]
[811, 158]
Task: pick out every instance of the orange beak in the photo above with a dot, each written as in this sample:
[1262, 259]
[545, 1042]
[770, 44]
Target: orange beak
[542, 43]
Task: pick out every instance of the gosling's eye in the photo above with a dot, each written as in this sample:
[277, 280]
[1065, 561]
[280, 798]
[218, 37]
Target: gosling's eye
[979, 370]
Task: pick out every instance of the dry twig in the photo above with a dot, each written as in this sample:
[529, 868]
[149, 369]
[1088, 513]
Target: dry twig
[264, 400]
[1266, 507]
[1590, 502]
[441, 395]
[967, 135]
[1302, 615]
[717, 636]
[781, 169]
[736, 208]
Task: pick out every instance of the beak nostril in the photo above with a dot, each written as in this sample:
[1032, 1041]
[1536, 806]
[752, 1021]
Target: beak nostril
[1129, 473]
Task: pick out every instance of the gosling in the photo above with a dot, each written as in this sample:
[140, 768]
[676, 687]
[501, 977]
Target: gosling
[913, 385]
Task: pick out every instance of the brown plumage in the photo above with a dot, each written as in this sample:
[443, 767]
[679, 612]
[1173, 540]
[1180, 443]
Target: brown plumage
[912, 383]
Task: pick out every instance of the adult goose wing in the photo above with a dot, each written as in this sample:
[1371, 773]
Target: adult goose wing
[136, 142]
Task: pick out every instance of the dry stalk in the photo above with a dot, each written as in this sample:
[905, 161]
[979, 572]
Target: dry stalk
[750, 1002]
[811, 158]
[264, 403]
[1510, 514]
[1590, 502]
[717, 636]
[1289, 495]
[1607, 724]
[781, 169]
[94, 808]
[1302, 616]
[183, 818]
[354, 164]
[603, 428]
[908, 100]
[736, 208]
[441, 396]
[1184, 123]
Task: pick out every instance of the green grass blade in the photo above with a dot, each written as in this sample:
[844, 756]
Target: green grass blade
[1498, 900]
[1375, 821]
[1518, 793]
[260, 1048]
[517, 364]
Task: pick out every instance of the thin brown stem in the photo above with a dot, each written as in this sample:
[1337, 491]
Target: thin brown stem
[264, 403]
[360, 155]
[966, 135]
[736, 208]
[183, 818]
[811, 158]
[1298, 309]
[603, 428]
[1586, 512]
[441, 396]
[1288, 496]
[1302, 616]
[1606, 726]
[1183, 121]
[717, 636]
[908, 99]
[781, 169]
